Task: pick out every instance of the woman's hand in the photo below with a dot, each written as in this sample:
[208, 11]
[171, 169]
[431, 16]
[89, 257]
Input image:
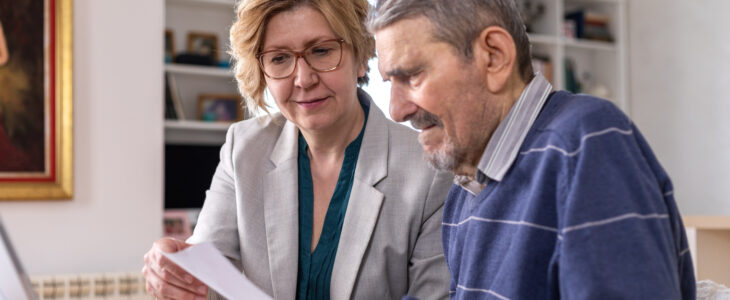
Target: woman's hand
[166, 280]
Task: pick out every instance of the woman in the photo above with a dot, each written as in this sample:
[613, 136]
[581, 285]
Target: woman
[327, 199]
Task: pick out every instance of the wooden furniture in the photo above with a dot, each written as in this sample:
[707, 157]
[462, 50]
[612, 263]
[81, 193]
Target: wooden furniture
[709, 243]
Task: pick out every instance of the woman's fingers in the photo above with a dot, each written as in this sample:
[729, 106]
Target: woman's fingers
[166, 278]
[163, 289]
[166, 269]
[163, 266]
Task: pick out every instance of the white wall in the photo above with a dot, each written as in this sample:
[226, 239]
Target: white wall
[116, 211]
[680, 74]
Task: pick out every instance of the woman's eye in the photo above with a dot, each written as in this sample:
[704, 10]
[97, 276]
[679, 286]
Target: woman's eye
[279, 58]
[321, 51]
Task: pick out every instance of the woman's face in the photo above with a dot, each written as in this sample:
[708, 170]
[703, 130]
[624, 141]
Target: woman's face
[312, 100]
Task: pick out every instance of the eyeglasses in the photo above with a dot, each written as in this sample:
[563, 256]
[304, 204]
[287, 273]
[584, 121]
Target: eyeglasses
[324, 56]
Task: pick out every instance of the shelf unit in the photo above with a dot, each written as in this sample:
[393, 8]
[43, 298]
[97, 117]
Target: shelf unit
[192, 145]
[207, 16]
[596, 63]
[182, 69]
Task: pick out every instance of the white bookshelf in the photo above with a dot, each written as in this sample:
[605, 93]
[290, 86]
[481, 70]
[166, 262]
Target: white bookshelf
[191, 81]
[191, 132]
[182, 69]
[596, 63]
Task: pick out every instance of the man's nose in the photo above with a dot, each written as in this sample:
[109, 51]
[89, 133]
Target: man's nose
[401, 108]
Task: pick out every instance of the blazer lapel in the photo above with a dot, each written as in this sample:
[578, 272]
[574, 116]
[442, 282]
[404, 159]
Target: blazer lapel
[364, 205]
[281, 213]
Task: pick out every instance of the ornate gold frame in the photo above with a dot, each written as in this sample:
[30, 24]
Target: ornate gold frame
[62, 186]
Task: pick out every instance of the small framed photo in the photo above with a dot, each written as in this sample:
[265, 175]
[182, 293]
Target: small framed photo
[176, 224]
[205, 44]
[169, 46]
[220, 107]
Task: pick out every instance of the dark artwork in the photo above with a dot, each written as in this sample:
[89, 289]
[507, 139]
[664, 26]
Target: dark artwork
[22, 119]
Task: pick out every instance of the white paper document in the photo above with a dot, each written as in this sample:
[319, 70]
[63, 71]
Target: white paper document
[207, 264]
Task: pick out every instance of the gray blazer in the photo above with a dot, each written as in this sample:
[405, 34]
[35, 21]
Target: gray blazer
[391, 238]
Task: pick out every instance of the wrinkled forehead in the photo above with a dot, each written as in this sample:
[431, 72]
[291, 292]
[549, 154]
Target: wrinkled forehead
[404, 41]
[296, 28]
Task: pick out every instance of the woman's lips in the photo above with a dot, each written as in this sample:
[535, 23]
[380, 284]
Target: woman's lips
[310, 104]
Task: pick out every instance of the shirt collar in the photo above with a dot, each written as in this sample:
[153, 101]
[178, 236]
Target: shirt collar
[507, 139]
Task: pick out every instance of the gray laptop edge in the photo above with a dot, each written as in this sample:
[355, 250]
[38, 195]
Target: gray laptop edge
[14, 283]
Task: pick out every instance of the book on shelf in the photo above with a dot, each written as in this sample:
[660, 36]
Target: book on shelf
[170, 113]
[587, 25]
[173, 104]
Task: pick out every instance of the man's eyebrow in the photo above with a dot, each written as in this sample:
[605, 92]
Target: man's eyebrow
[402, 72]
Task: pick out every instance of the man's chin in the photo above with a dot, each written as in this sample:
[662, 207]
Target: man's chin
[440, 159]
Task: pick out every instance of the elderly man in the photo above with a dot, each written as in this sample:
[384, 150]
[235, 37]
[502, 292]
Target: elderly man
[557, 195]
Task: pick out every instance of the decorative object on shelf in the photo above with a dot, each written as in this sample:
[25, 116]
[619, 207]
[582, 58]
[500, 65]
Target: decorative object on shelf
[542, 64]
[571, 81]
[176, 224]
[203, 44]
[170, 113]
[220, 107]
[36, 133]
[530, 12]
[592, 87]
[569, 28]
[169, 46]
[588, 25]
[173, 105]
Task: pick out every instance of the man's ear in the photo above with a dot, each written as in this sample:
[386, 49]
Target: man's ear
[496, 55]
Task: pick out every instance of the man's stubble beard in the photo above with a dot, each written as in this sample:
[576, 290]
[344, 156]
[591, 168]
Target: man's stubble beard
[445, 158]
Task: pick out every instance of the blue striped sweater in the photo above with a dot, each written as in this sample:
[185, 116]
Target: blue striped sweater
[584, 212]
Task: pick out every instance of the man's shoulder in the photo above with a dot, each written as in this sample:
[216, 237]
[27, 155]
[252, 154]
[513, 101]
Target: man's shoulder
[573, 117]
[567, 110]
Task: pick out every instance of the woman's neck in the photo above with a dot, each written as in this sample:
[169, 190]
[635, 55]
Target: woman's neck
[330, 143]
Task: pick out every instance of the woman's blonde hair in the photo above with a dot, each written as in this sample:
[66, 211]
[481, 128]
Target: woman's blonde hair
[346, 17]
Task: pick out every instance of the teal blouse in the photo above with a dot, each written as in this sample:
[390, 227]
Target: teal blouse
[315, 268]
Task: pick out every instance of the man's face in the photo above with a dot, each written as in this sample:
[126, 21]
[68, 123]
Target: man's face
[439, 91]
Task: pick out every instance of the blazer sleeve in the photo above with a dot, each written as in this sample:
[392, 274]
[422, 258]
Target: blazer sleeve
[217, 222]
[427, 272]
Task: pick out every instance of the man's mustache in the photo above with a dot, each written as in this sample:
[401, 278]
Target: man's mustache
[423, 119]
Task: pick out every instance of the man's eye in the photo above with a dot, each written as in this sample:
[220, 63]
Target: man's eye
[414, 79]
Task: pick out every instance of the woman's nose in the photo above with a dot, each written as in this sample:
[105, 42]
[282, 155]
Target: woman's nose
[305, 76]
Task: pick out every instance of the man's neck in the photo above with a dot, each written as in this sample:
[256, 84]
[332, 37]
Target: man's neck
[506, 100]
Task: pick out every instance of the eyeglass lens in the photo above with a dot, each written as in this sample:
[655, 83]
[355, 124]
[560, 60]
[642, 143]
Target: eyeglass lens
[321, 57]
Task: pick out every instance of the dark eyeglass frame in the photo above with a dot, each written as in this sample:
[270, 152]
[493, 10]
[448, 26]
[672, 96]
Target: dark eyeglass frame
[297, 55]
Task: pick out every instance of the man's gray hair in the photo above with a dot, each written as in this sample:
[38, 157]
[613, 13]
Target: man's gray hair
[459, 23]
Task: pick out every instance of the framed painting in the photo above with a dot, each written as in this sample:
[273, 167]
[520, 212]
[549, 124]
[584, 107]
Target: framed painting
[36, 136]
